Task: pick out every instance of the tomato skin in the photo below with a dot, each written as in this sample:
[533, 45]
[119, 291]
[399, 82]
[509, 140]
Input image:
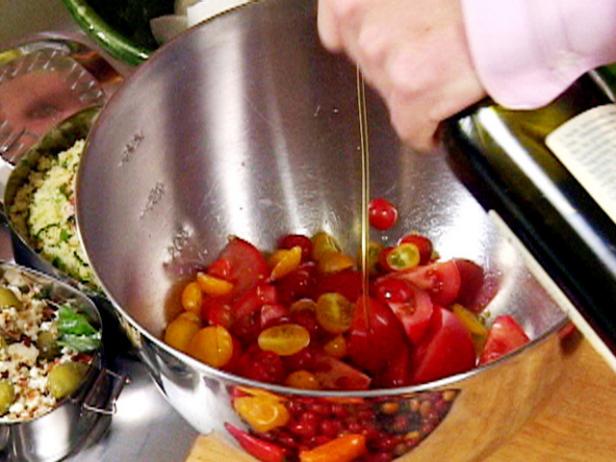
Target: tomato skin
[247, 265]
[220, 268]
[397, 372]
[382, 329]
[472, 278]
[441, 280]
[272, 314]
[446, 349]
[382, 259]
[392, 290]
[291, 240]
[263, 366]
[382, 214]
[505, 336]
[414, 314]
[347, 283]
[422, 243]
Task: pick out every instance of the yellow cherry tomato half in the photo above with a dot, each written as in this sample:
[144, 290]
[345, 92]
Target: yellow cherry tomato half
[192, 297]
[285, 261]
[303, 304]
[478, 331]
[323, 243]
[302, 379]
[213, 286]
[262, 414]
[212, 345]
[284, 339]
[333, 262]
[180, 331]
[336, 347]
[403, 256]
[334, 313]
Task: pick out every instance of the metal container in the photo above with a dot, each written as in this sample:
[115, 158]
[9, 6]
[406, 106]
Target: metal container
[246, 126]
[61, 431]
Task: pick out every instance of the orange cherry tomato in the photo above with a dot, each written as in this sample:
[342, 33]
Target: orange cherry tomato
[302, 379]
[212, 345]
[192, 298]
[342, 449]
[180, 331]
[323, 243]
[284, 339]
[333, 262]
[261, 413]
[334, 312]
[403, 257]
[213, 286]
[284, 261]
[336, 347]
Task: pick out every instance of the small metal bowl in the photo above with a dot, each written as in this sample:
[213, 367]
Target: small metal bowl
[63, 429]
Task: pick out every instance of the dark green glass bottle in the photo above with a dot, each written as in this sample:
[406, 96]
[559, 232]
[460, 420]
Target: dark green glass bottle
[503, 158]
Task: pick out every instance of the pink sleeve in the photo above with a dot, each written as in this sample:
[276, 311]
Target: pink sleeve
[526, 52]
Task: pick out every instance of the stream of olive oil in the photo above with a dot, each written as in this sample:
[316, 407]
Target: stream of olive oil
[365, 186]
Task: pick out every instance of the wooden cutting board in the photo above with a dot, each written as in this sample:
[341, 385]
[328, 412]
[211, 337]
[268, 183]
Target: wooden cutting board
[576, 424]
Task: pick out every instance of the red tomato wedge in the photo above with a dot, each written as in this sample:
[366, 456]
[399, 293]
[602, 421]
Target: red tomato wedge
[504, 336]
[382, 329]
[347, 283]
[414, 314]
[472, 279]
[255, 298]
[247, 265]
[446, 349]
[333, 374]
[441, 280]
[397, 373]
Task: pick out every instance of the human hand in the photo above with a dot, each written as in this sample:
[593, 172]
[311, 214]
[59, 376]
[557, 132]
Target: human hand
[413, 52]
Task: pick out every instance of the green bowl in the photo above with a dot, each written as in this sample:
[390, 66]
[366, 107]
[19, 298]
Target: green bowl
[120, 27]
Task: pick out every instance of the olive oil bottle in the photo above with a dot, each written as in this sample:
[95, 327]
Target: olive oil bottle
[549, 175]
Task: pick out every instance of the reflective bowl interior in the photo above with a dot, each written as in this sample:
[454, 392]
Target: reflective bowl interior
[231, 130]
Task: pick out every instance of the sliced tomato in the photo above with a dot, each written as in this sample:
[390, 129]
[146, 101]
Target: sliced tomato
[347, 283]
[471, 282]
[441, 280]
[248, 266]
[504, 336]
[217, 311]
[297, 284]
[376, 325]
[220, 268]
[445, 350]
[397, 372]
[272, 314]
[414, 314]
[333, 374]
[255, 298]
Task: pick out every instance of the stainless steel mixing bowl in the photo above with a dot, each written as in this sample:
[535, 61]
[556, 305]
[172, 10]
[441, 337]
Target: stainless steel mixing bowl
[246, 126]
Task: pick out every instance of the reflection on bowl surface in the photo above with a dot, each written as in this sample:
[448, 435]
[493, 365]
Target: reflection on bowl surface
[269, 149]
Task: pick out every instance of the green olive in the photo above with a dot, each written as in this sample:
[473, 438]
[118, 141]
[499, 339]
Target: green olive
[8, 298]
[7, 396]
[65, 378]
[47, 345]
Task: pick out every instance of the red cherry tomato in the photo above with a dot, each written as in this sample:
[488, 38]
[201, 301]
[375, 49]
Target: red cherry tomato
[297, 284]
[441, 280]
[347, 283]
[264, 366]
[414, 314]
[382, 214]
[217, 311]
[292, 240]
[254, 299]
[446, 349]
[504, 336]
[247, 265]
[477, 288]
[423, 244]
[272, 314]
[381, 328]
[393, 290]
[333, 374]
[382, 259]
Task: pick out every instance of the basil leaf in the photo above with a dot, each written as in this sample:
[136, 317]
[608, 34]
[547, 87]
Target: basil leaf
[81, 343]
[70, 322]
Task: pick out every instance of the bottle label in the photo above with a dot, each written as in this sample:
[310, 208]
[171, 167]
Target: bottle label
[586, 146]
